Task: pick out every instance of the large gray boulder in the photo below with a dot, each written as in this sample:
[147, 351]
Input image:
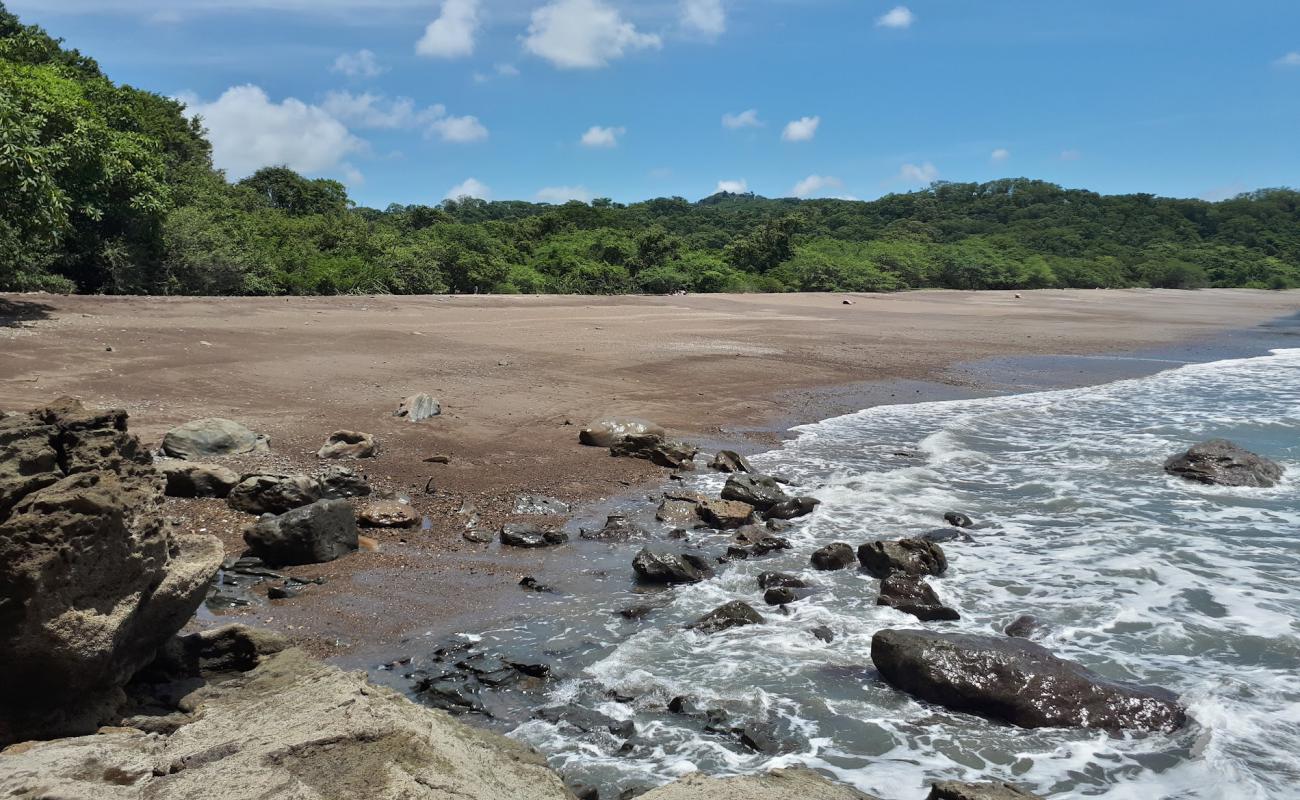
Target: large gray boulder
[293, 728]
[320, 532]
[836, 555]
[187, 479]
[913, 557]
[779, 784]
[605, 432]
[1223, 463]
[93, 580]
[212, 438]
[1017, 681]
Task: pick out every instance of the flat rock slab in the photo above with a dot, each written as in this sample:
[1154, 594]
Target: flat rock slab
[212, 438]
[290, 728]
[779, 784]
[1017, 681]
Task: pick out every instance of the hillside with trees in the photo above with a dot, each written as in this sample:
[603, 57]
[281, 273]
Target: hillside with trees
[106, 188]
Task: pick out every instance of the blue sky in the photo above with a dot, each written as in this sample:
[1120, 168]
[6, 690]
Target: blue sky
[408, 100]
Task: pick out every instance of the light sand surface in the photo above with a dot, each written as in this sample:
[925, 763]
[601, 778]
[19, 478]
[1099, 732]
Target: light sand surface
[511, 371]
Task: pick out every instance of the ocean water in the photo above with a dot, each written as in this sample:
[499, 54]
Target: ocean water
[1141, 576]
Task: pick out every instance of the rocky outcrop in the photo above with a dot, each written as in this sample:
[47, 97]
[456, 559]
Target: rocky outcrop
[270, 493]
[728, 615]
[911, 595]
[669, 568]
[654, 448]
[418, 407]
[531, 536]
[289, 728]
[349, 444]
[320, 532]
[93, 580]
[760, 491]
[725, 514]
[187, 479]
[779, 784]
[605, 432]
[730, 461]
[1223, 463]
[996, 790]
[387, 514]
[1017, 681]
[212, 438]
[836, 555]
[914, 557]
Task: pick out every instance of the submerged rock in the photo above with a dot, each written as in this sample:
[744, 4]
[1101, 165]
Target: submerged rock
[187, 479]
[669, 568]
[605, 432]
[996, 790]
[906, 556]
[320, 532]
[779, 784]
[1224, 463]
[1017, 681]
[1023, 626]
[349, 444]
[93, 580]
[531, 536]
[837, 555]
[773, 580]
[728, 615]
[958, 519]
[212, 438]
[911, 595]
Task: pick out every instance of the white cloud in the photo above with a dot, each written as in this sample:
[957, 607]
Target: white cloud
[563, 194]
[248, 131]
[377, 111]
[815, 185]
[583, 34]
[471, 187]
[704, 16]
[801, 130]
[361, 64]
[999, 155]
[1291, 59]
[459, 130]
[912, 173]
[507, 70]
[1071, 155]
[597, 136]
[745, 119]
[451, 35]
[734, 187]
[898, 18]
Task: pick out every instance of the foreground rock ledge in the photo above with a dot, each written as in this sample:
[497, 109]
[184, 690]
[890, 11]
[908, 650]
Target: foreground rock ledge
[290, 728]
[779, 784]
[1017, 681]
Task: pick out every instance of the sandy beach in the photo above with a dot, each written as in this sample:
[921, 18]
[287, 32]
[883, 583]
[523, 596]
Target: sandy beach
[517, 377]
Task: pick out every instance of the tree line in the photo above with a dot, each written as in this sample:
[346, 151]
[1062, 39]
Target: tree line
[105, 188]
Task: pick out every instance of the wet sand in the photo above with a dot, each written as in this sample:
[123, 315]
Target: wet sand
[518, 376]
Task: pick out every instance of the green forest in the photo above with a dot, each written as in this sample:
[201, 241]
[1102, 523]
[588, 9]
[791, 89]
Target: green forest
[106, 188]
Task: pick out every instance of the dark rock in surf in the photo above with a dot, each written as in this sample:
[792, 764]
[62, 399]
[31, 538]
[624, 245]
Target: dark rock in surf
[730, 461]
[320, 532]
[942, 535]
[760, 491]
[911, 595]
[729, 615]
[833, 556]
[995, 790]
[1017, 681]
[823, 633]
[783, 595]
[907, 556]
[1023, 626]
[958, 519]
[793, 508]
[588, 721]
[531, 536]
[773, 580]
[1223, 463]
[669, 568]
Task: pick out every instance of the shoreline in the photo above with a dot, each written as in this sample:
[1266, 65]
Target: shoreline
[719, 370]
